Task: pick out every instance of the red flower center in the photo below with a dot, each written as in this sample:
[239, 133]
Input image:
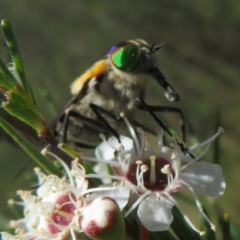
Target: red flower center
[62, 215]
[160, 179]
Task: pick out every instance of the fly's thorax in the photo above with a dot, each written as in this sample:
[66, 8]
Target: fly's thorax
[113, 92]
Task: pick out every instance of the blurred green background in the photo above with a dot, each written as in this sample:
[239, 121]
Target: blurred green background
[201, 59]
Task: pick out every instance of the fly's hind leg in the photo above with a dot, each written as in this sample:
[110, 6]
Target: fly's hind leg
[75, 127]
[99, 111]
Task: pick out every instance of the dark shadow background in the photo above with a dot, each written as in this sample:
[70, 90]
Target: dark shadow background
[201, 59]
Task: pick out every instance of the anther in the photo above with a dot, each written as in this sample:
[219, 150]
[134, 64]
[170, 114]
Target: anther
[139, 162]
[44, 152]
[144, 168]
[128, 156]
[213, 228]
[102, 136]
[221, 130]
[37, 170]
[11, 201]
[166, 169]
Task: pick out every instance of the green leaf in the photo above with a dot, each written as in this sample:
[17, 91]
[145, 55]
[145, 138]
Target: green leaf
[225, 226]
[20, 108]
[8, 75]
[69, 150]
[41, 160]
[235, 232]
[6, 84]
[16, 57]
[165, 235]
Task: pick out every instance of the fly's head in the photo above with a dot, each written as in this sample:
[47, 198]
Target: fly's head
[137, 56]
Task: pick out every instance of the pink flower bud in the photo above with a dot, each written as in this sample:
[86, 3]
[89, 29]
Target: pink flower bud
[100, 217]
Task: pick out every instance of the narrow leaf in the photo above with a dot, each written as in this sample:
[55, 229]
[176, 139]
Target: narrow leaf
[8, 83]
[5, 71]
[165, 235]
[20, 108]
[16, 57]
[225, 226]
[41, 160]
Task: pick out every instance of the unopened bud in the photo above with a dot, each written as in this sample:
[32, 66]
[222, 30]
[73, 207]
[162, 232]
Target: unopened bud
[102, 219]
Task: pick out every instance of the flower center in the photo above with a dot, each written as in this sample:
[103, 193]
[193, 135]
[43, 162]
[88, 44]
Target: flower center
[63, 213]
[155, 176]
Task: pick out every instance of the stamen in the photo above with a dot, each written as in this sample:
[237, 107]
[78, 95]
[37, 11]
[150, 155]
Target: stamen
[137, 203]
[195, 159]
[208, 141]
[65, 166]
[99, 189]
[133, 135]
[73, 236]
[103, 176]
[64, 214]
[126, 161]
[112, 163]
[184, 215]
[199, 206]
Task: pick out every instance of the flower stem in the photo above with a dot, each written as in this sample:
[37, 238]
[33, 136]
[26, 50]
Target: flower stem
[144, 233]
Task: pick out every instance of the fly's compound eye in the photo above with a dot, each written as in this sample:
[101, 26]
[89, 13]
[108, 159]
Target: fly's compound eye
[126, 56]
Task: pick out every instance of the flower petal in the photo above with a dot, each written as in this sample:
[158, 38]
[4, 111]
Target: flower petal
[119, 194]
[105, 150]
[155, 215]
[205, 178]
[7, 236]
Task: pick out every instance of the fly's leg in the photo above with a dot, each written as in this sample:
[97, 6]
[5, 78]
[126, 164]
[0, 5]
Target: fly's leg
[99, 111]
[92, 124]
[99, 125]
[152, 109]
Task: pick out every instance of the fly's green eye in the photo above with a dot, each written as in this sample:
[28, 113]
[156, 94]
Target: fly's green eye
[126, 56]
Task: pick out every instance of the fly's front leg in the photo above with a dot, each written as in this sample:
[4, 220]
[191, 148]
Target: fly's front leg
[151, 109]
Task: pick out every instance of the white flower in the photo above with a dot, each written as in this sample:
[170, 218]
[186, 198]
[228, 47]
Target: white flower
[154, 175]
[55, 210]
